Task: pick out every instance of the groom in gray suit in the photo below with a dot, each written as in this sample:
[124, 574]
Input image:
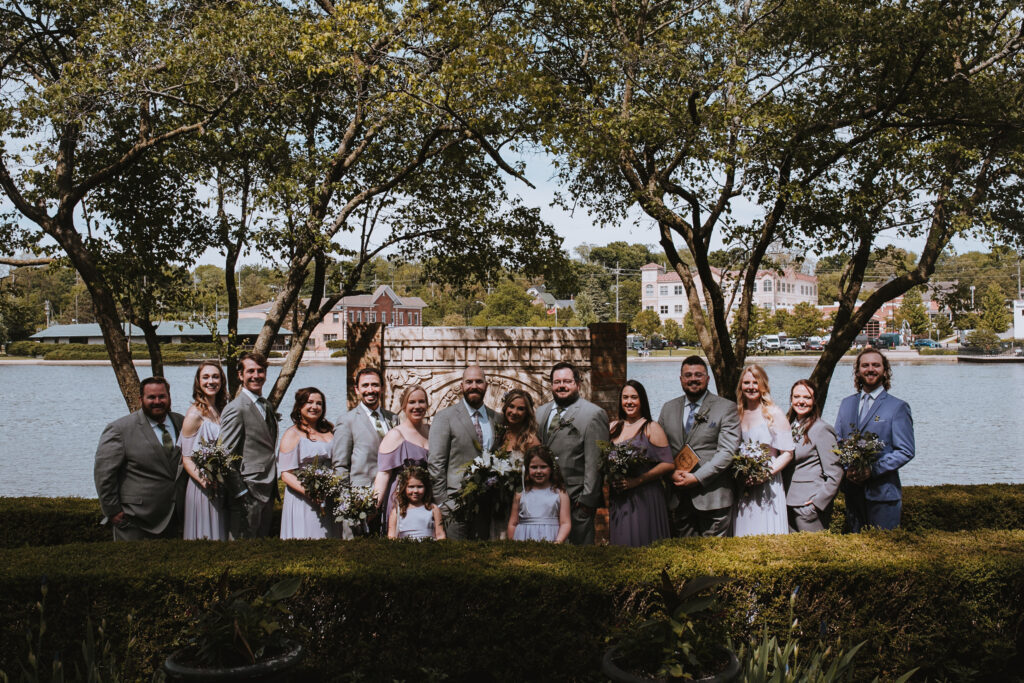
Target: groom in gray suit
[570, 427]
[458, 434]
[248, 426]
[710, 425]
[138, 470]
[359, 431]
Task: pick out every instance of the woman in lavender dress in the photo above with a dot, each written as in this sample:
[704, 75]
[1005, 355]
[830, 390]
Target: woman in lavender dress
[638, 511]
[761, 505]
[307, 441]
[405, 443]
[205, 516]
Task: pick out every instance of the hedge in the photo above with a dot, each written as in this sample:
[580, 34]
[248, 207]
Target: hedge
[950, 507]
[172, 353]
[949, 603]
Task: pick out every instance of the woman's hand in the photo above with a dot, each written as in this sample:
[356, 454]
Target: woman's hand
[626, 483]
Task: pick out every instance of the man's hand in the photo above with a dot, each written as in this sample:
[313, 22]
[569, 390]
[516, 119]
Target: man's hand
[118, 518]
[587, 510]
[684, 479]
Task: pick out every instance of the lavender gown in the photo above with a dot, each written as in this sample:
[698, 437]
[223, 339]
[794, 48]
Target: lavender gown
[407, 452]
[538, 515]
[762, 510]
[417, 524]
[205, 517]
[639, 516]
[299, 519]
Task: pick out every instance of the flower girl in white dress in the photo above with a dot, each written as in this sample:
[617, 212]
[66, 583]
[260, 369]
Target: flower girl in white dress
[541, 511]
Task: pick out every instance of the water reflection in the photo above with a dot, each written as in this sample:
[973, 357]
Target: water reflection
[966, 417]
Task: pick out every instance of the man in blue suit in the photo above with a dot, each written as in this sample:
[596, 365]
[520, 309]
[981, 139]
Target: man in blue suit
[874, 497]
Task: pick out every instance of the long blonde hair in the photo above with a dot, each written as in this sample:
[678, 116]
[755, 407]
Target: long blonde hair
[767, 404]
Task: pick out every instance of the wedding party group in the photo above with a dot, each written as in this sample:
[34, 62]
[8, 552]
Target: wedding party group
[706, 467]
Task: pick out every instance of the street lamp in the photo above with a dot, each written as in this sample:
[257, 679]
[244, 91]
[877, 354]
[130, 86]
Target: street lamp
[972, 297]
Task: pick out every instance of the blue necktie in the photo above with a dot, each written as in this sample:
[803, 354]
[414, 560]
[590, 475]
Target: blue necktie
[691, 416]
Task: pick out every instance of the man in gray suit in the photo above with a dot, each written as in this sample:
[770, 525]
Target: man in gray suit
[248, 426]
[710, 425]
[358, 433]
[138, 472]
[571, 427]
[458, 434]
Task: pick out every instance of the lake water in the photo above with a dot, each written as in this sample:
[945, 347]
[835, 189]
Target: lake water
[966, 417]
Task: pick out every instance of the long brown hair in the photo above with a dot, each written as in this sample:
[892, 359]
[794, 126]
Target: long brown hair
[542, 453]
[528, 426]
[858, 383]
[812, 416]
[413, 472]
[199, 397]
[301, 396]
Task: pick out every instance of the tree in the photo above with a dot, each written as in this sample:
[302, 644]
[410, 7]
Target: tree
[92, 87]
[586, 312]
[672, 331]
[913, 312]
[995, 315]
[681, 109]
[689, 334]
[805, 320]
[508, 305]
[762, 322]
[646, 323]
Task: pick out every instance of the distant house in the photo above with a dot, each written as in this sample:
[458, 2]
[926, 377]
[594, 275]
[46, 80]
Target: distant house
[384, 306]
[541, 297]
[169, 332]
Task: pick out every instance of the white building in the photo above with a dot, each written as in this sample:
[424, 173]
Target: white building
[1018, 319]
[664, 293]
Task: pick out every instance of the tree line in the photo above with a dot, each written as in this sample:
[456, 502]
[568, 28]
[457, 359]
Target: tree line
[324, 134]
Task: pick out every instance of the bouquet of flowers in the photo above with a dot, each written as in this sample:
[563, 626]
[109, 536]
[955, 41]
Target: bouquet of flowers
[219, 467]
[621, 460]
[354, 505]
[752, 465]
[321, 485]
[489, 484]
[859, 451]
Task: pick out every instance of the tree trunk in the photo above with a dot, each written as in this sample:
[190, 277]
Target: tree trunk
[232, 350]
[156, 358]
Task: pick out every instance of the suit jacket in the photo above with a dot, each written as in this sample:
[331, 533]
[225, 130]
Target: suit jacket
[575, 446]
[715, 438]
[453, 445]
[815, 474]
[354, 450]
[890, 419]
[244, 431]
[134, 473]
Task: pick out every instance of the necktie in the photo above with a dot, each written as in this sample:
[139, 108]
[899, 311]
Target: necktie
[165, 438]
[865, 406]
[476, 427]
[690, 418]
[268, 416]
[378, 425]
[557, 419]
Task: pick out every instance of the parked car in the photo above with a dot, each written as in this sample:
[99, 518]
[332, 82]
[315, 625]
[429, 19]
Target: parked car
[927, 343]
[860, 341]
[771, 342]
[814, 345]
[792, 345]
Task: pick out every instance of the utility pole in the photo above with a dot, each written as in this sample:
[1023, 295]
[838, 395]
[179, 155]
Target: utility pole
[616, 291]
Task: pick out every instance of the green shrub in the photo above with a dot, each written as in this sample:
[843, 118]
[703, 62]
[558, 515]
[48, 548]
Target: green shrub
[27, 348]
[340, 353]
[937, 352]
[337, 344]
[952, 604]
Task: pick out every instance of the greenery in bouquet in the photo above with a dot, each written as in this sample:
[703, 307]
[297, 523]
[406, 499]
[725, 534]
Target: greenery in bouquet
[321, 485]
[859, 451]
[684, 639]
[354, 505]
[752, 464]
[489, 484]
[236, 630]
[218, 466]
[621, 460]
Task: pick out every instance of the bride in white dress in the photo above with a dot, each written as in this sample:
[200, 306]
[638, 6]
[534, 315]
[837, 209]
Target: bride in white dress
[761, 507]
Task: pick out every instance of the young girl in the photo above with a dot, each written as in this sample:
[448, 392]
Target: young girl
[541, 511]
[415, 515]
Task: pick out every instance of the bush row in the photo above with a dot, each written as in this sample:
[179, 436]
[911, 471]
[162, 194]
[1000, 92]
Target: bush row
[171, 352]
[937, 352]
[950, 507]
[949, 603]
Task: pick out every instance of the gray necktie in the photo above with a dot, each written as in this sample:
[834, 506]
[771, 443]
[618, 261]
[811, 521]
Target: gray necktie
[378, 425]
[477, 429]
[165, 438]
[690, 418]
[268, 416]
[865, 406]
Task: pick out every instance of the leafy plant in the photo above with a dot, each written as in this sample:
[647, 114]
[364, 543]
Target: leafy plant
[235, 631]
[771, 661]
[684, 639]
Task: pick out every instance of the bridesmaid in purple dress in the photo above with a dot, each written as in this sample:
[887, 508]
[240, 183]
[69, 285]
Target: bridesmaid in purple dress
[638, 511]
[407, 442]
[307, 441]
[205, 517]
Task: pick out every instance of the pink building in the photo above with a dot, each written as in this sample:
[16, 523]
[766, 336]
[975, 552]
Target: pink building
[383, 306]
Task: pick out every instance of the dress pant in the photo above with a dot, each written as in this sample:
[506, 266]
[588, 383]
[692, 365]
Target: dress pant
[249, 517]
[128, 531]
[688, 521]
[862, 513]
[582, 531]
[809, 518]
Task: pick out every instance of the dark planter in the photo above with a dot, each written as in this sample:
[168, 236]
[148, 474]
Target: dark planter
[275, 669]
[612, 671]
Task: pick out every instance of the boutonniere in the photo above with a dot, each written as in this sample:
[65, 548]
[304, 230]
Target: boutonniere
[564, 423]
[278, 416]
[877, 419]
[700, 418]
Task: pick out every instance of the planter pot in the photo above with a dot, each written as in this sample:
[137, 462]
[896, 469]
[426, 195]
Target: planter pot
[268, 670]
[612, 671]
